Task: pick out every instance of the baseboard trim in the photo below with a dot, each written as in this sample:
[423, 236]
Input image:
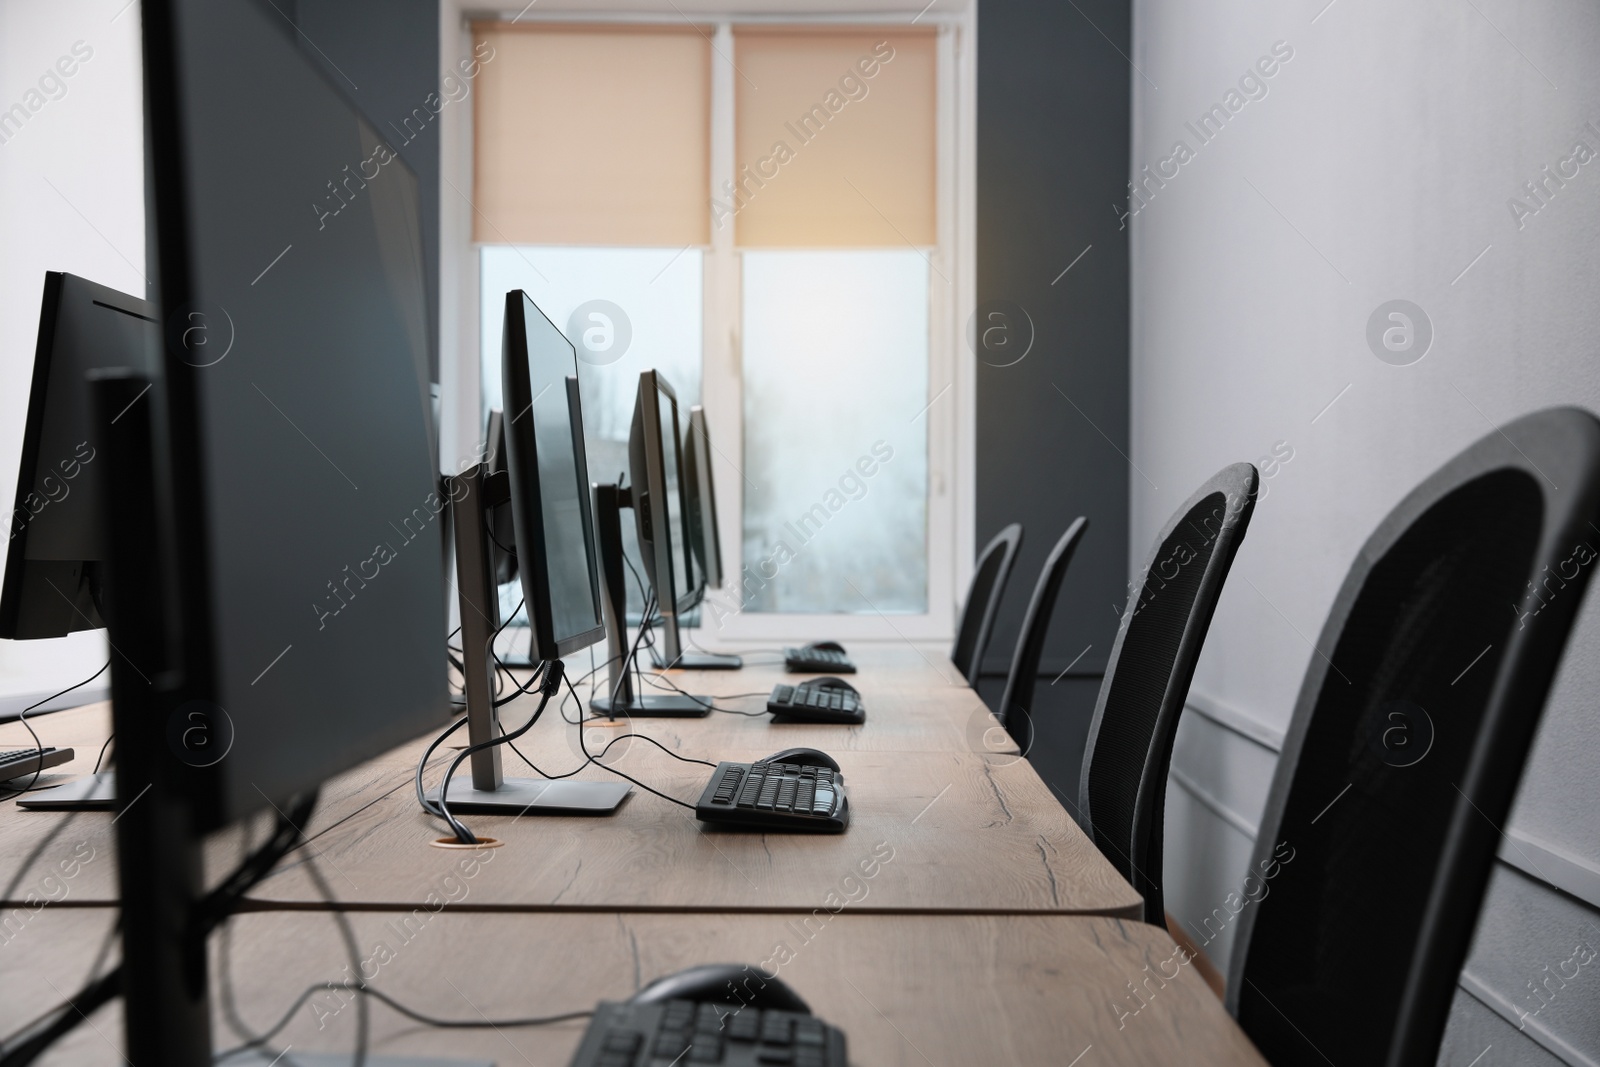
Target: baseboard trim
[1235, 721]
[1535, 1030]
[1545, 862]
[1209, 801]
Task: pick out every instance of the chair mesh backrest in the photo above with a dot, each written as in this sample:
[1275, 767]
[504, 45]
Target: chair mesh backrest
[988, 585]
[1017, 702]
[1405, 749]
[1122, 789]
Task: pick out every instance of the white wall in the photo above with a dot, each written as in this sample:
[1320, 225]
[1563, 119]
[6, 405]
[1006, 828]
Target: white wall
[71, 199]
[1378, 166]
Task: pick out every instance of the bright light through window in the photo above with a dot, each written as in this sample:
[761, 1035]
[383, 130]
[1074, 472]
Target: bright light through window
[835, 432]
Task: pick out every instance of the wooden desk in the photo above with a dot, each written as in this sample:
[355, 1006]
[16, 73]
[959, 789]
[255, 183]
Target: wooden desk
[909, 991]
[964, 833]
[914, 703]
[969, 832]
[964, 918]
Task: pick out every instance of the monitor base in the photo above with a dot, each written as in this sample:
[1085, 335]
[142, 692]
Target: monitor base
[257, 1058]
[536, 796]
[665, 706]
[94, 792]
[699, 661]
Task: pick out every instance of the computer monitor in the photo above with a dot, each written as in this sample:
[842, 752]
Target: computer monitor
[54, 562]
[705, 545]
[545, 479]
[702, 494]
[549, 477]
[293, 506]
[661, 506]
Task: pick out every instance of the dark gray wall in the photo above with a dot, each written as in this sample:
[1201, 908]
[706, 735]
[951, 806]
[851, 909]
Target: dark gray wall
[385, 55]
[1053, 127]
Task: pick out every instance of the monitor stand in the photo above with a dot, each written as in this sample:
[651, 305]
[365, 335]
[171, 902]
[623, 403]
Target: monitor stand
[695, 661]
[620, 699]
[94, 792]
[536, 796]
[516, 656]
[663, 706]
[487, 789]
[261, 1058]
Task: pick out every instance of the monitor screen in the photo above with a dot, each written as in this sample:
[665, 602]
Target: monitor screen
[672, 472]
[52, 577]
[702, 495]
[549, 481]
[299, 453]
[655, 457]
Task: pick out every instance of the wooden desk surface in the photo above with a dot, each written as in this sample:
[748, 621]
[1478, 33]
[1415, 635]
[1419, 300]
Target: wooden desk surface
[969, 832]
[915, 703]
[909, 991]
[964, 833]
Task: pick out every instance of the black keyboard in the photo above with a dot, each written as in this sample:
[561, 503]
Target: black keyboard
[775, 796]
[815, 703]
[682, 1032]
[810, 660]
[16, 762]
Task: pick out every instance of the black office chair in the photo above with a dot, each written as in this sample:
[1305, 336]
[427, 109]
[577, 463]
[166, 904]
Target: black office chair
[1406, 746]
[1122, 790]
[988, 585]
[1017, 700]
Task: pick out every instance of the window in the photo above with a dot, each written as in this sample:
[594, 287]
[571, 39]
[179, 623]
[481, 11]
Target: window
[766, 214]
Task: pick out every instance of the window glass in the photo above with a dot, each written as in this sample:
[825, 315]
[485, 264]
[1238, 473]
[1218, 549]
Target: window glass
[835, 431]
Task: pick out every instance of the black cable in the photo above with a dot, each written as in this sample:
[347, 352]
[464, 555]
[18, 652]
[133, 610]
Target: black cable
[628, 662]
[422, 764]
[33, 857]
[38, 744]
[661, 681]
[552, 675]
[536, 769]
[658, 744]
[582, 743]
[489, 529]
[27, 1043]
[366, 990]
[101, 758]
[580, 680]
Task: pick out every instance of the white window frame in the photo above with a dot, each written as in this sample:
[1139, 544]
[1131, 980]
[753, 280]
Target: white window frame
[951, 414]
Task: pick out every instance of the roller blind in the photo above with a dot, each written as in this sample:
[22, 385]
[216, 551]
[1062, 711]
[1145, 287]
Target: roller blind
[587, 135]
[834, 138]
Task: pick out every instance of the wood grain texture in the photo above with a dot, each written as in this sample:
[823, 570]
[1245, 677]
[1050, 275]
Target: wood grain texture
[915, 702]
[88, 837]
[967, 834]
[909, 991]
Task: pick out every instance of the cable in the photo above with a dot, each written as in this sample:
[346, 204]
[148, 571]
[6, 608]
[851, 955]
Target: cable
[658, 744]
[422, 764]
[38, 744]
[582, 743]
[27, 1043]
[489, 529]
[410, 1013]
[346, 933]
[552, 675]
[33, 857]
[101, 758]
[661, 681]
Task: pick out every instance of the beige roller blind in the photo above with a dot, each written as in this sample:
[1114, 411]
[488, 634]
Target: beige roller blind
[835, 138]
[586, 135]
